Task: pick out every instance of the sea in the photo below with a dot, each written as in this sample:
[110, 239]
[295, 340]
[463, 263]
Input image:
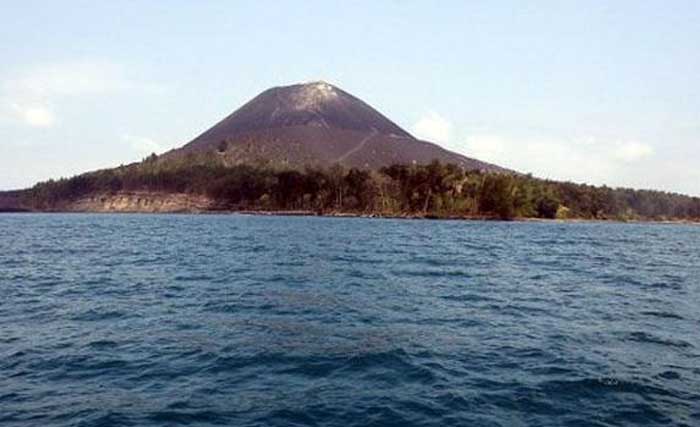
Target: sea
[235, 320]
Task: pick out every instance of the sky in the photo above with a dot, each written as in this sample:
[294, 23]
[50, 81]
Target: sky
[594, 92]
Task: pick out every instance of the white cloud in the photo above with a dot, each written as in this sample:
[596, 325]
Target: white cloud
[433, 127]
[28, 91]
[486, 147]
[630, 152]
[582, 159]
[84, 77]
[142, 145]
[35, 115]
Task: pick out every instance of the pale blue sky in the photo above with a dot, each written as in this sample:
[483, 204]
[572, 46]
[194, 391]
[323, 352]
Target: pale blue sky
[592, 91]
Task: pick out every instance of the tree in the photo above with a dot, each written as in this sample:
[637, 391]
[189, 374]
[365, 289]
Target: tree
[496, 196]
[359, 188]
[288, 191]
[547, 206]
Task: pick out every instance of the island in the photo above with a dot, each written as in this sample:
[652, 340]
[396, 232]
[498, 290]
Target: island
[314, 149]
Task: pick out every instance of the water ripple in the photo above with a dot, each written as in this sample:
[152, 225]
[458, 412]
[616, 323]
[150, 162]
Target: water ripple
[148, 320]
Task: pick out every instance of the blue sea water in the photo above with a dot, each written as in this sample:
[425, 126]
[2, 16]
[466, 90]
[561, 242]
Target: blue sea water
[148, 320]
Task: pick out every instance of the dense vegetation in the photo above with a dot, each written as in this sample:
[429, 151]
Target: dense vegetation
[434, 190]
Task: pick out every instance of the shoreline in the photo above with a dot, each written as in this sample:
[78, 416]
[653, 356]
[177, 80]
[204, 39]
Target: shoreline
[457, 217]
[340, 214]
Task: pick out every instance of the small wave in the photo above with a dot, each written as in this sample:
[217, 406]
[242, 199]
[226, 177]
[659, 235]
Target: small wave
[593, 387]
[669, 375]
[470, 297]
[666, 285]
[186, 417]
[96, 315]
[663, 315]
[431, 273]
[396, 361]
[193, 278]
[103, 344]
[645, 337]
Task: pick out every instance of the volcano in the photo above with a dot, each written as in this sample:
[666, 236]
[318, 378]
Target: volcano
[316, 124]
[283, 129]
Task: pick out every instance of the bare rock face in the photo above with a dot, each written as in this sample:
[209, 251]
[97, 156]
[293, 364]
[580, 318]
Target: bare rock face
[148, 202]
[317, 124]
[11, 201]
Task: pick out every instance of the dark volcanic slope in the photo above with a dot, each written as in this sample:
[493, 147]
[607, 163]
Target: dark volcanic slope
[317, 124]
[314, 104]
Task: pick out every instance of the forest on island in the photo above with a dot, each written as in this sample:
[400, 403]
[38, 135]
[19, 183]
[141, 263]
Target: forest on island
[433, 190]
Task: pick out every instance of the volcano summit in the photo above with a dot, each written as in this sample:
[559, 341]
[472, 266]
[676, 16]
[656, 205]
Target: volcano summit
[317, 124]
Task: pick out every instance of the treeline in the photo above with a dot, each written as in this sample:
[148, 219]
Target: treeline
[434, 190]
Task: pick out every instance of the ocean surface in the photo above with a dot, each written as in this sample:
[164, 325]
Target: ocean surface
[153, 320]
